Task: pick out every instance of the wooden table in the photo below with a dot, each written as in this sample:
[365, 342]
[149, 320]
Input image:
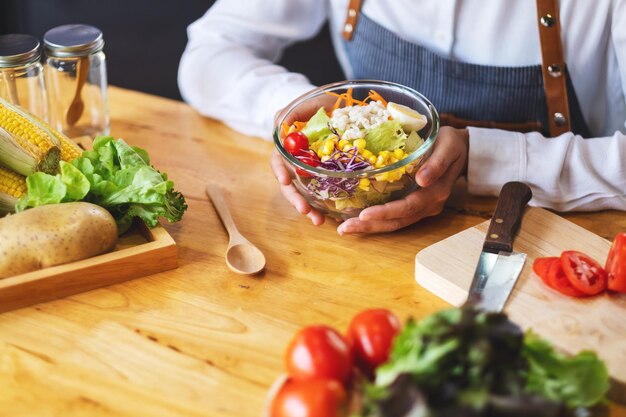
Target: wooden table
[200, 340]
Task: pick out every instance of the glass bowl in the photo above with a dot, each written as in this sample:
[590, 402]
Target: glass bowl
[343, 194]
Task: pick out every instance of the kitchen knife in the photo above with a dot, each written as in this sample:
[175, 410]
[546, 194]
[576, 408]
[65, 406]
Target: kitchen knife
[498, 266]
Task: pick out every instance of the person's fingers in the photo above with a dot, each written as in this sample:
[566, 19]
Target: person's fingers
[301, 205]
[447, 150]
[412, 203]
[316, 217]
[295, 198]
[280, 170]
[395, 215]
[355, 225]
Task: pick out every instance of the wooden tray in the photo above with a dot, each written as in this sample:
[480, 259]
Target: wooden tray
[571, 324]
[140, 251]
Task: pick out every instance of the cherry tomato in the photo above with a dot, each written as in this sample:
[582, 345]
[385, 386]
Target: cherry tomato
[296, 143]
[541, 266]
[319, 352]
[616, 264]
[312, 398]
[584, 273]
[309, 158]
[558, 281]
[371, 334]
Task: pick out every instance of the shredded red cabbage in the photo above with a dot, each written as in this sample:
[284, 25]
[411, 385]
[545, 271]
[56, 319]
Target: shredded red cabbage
[337, 187]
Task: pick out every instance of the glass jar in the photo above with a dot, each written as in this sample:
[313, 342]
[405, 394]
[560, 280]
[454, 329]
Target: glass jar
[76, 80]
[21, 73]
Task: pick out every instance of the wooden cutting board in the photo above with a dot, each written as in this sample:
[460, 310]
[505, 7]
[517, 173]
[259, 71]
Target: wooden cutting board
[597, 323]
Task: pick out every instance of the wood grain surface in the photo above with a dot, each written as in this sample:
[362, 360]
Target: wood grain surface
[571, 324]
[200, 340]
[140, 251]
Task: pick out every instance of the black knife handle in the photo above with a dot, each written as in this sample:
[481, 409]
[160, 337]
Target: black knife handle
[507, 217]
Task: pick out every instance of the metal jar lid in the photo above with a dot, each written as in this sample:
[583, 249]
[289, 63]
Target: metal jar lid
[18, 49]
[72, 40]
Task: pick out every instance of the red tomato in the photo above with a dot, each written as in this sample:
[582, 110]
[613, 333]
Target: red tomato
[541, 266]
[585, 274]
[558, 281]
[319, 352]
[309, 158]
[371, 334]
[616, 264]
[295, 143]
[312, 398]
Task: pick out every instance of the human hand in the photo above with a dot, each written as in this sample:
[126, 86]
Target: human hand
[436, 178]
[302, 112]
[291, 194]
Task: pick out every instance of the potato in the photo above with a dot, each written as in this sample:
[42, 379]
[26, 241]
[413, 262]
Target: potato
[55, 234]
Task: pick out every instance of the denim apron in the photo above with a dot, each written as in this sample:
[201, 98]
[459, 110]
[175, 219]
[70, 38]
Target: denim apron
[510, 98]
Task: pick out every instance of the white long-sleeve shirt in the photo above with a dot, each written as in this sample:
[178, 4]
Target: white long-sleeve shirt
[227, 72]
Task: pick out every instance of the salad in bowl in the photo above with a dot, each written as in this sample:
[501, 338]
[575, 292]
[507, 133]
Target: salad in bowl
[355, 144]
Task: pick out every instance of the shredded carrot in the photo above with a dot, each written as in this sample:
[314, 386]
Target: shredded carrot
[349, 99]
[298, 125]
[373, 95]
[340, 98]
[284, 129]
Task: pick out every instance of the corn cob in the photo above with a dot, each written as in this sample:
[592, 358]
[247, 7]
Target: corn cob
[69, 149]
[12, 187]
[26, 146]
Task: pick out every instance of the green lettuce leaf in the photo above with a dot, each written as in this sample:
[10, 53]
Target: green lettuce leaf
[115, 176]
[317, 126]
[579, 381]
[413, 142]
[42, 189]
[76, 184]
[385, 137]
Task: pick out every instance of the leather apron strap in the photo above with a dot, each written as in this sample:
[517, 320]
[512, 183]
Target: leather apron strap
[553, 63]
[352, 17]
[553, 66]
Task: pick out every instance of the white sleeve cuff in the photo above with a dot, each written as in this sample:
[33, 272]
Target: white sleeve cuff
[495, 158]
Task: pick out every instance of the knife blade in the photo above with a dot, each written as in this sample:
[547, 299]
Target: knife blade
[498, 265]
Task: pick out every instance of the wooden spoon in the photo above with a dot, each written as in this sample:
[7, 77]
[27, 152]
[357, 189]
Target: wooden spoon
[242, 256]
[77, 106]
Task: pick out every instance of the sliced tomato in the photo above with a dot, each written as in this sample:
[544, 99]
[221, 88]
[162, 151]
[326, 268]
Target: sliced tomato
[558, 281]
[616, 264]
[310, 158]
[583, 272]
[541, 266]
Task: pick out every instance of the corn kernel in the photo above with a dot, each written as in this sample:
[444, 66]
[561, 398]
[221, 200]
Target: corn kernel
[327, 148]
[382, 177]
[367, 154]
[398, 153]
[394, 175]
[343, 143]
[380, 161]
[316, 145]
[372, 160]
[364, 184]
[347, 148]
[360, 144]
